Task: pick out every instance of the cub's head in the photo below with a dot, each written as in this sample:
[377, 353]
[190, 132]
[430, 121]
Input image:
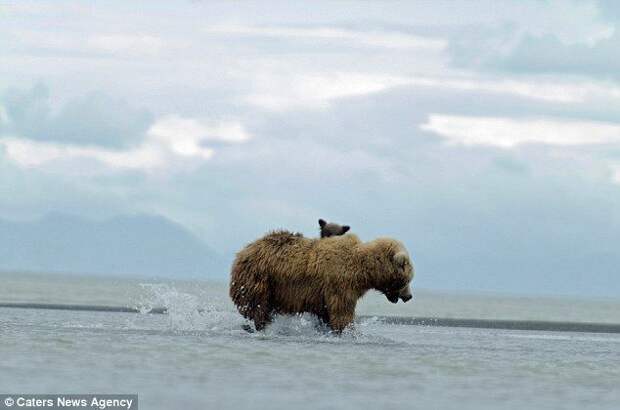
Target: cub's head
[331, 229]
[397, 275]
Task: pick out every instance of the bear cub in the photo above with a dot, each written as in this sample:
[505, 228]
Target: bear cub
[332, 229]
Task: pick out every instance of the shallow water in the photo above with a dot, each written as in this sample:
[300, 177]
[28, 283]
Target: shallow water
[193, 360]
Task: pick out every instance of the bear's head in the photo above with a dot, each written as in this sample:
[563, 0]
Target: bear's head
[332, 229]
[396, 275]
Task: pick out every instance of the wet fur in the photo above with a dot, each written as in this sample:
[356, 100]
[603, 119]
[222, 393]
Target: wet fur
[286, 273]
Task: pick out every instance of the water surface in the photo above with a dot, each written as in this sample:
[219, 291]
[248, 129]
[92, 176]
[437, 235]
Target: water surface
[198, 357]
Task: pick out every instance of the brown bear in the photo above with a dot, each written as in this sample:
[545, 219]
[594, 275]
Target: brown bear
[329, 229]
[287, 273]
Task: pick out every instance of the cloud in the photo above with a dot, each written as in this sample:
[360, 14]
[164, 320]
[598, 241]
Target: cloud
[576, 38]
[42, 41]
[548, 54]
[33, 154]
[282, 92]
[509, 132]
[93, 119]
[538, 89]
[172, 142]
[186, 134]
[573, 22]
[126, 43]
[381, 39]
[609, 10]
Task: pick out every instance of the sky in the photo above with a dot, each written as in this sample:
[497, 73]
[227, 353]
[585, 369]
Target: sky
[484, 135]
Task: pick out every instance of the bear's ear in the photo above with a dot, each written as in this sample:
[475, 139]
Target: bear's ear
[400, 258]
[322, 223]
[345, 229]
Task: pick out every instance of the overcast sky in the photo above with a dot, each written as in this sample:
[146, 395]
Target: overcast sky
[484, 135]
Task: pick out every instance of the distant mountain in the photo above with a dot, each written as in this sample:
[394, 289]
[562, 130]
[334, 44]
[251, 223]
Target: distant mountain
[125, 245]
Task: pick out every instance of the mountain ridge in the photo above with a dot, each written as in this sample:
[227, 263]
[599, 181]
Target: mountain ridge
[136, 244]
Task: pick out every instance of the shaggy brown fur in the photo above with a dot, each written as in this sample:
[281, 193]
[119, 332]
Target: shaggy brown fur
[287, 273]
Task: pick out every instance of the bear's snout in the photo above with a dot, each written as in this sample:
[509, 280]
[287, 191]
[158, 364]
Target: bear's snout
[405, 294]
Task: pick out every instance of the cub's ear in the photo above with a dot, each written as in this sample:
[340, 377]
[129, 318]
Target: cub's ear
[322, 223]
[400, 258]
[345, 228]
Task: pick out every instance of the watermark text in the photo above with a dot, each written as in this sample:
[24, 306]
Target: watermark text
[69, 401]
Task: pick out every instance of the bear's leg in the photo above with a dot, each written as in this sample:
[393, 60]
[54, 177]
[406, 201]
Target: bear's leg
[323, 320]
[323, 317]
[341, 311]
[261, 317]
[261, 312]
[338, 322]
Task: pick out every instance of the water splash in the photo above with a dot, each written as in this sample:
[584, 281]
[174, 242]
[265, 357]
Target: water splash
[187, 311]
[302, 325]
[198, 310]
[307, 328]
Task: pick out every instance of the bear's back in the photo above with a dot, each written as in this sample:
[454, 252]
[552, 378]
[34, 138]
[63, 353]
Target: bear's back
[277, 253]
[285, 243]
[334, 255]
